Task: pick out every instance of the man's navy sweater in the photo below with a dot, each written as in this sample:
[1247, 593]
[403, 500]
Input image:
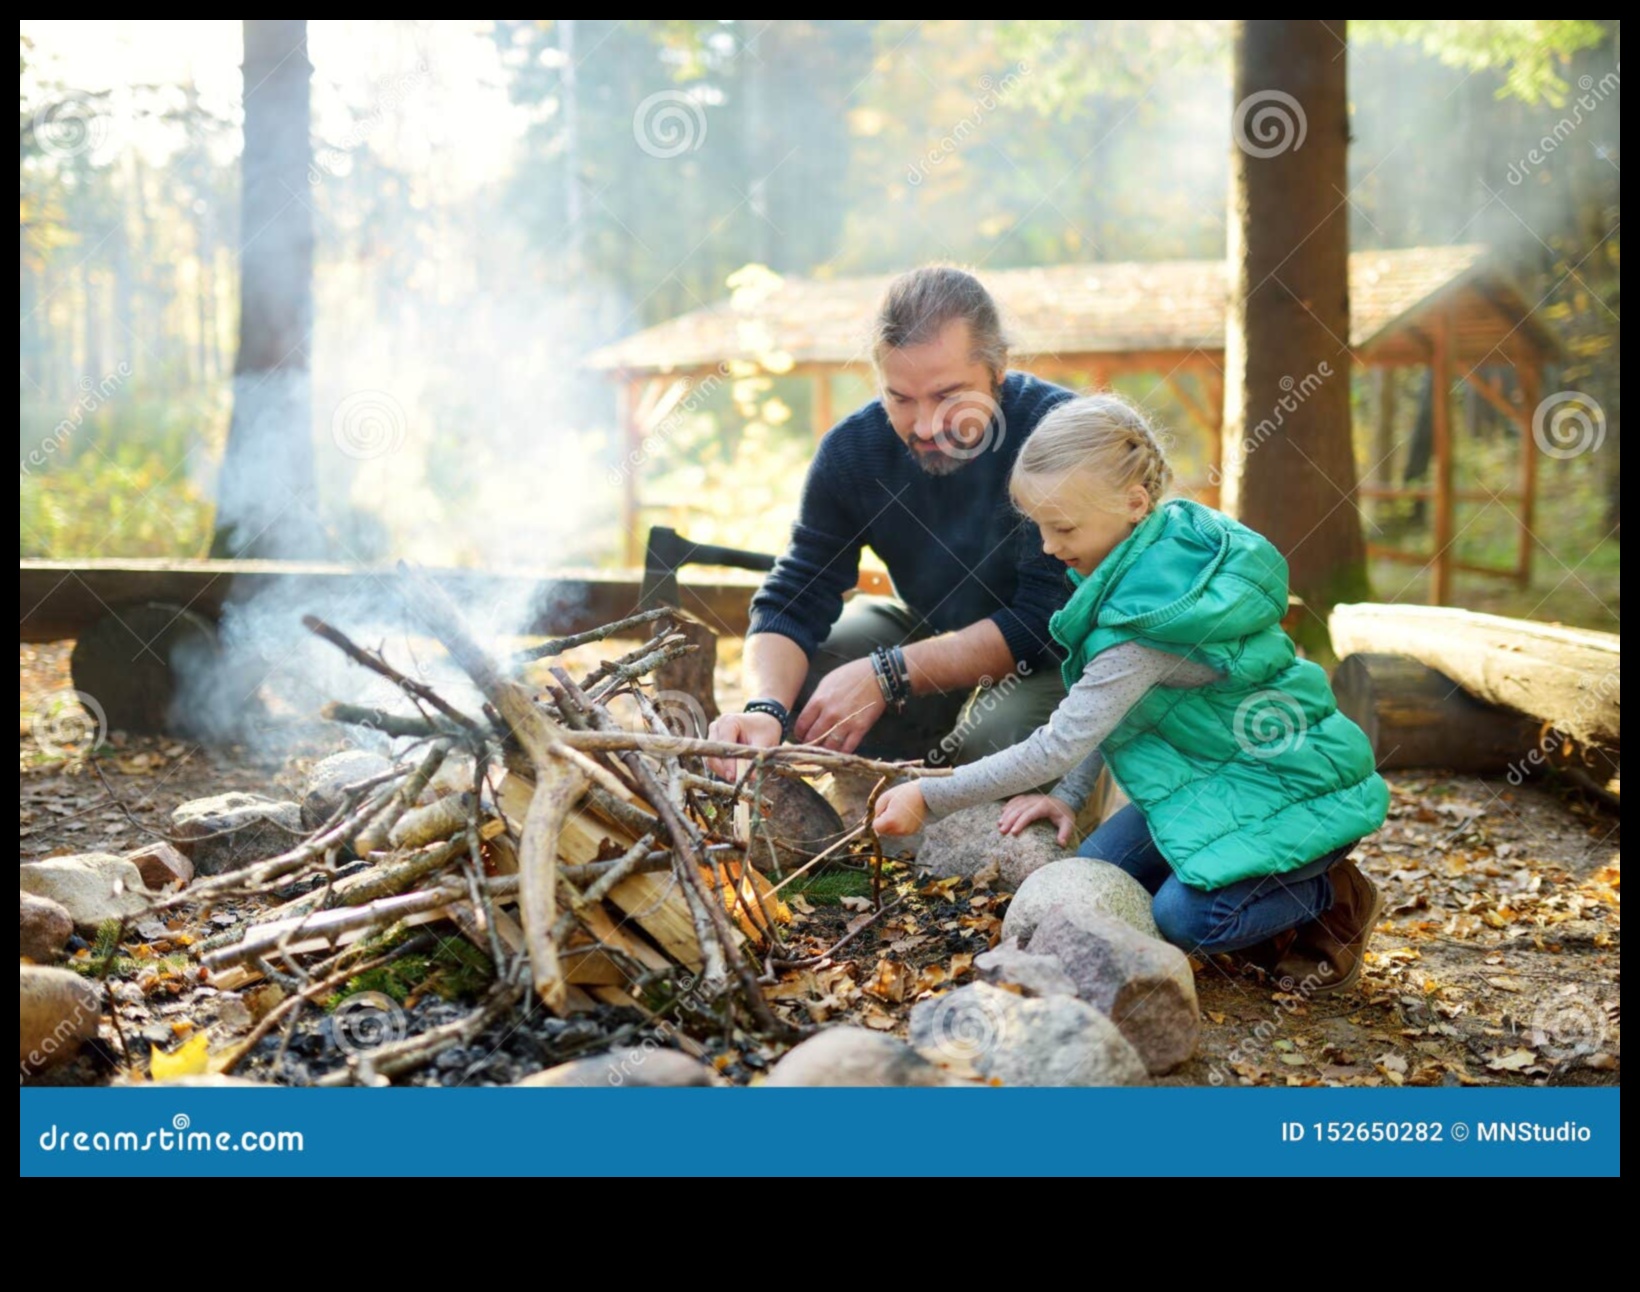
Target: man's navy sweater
[954, 545]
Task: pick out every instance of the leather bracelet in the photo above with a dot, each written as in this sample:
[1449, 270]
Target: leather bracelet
[893, 677]
[779, 712]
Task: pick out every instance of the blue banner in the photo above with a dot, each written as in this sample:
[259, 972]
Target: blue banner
[158, 1131]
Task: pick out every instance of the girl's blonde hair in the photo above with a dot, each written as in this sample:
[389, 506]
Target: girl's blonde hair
[1102, 435]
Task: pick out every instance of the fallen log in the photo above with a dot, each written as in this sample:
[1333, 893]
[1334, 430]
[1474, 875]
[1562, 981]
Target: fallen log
[1567, 677]
[1416, 716]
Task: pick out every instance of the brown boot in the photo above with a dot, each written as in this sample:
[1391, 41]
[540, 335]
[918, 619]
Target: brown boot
[1325, 955]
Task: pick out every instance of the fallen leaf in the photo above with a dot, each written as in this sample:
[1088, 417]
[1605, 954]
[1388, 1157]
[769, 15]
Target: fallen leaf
[188, 1060]
[852, 903]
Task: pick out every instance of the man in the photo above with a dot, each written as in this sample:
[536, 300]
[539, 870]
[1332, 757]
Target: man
[961, 663]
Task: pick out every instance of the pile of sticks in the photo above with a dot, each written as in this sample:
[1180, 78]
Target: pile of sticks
[585, 858]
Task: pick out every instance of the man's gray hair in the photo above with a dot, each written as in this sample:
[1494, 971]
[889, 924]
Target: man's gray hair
[922, 301]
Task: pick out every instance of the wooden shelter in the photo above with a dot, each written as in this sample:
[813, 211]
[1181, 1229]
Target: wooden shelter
[1448, 308]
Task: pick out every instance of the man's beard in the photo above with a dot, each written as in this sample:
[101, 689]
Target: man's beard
[936, 462]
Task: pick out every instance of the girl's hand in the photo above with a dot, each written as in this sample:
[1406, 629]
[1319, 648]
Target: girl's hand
[900, 810]
[1022, 809]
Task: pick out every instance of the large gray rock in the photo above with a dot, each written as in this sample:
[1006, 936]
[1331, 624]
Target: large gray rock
[43, 927]
[854, 1056]
[635, 1066]
[967, 841]
[1036, 975]
[234, 830]
[57, 1011]
[1014, 1040]
[91, 887]
[1082, 884]
[327, 778]
[161, 865]
[1143, 985]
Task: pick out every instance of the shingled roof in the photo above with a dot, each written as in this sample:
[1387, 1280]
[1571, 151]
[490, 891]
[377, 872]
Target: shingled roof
[1163, 307]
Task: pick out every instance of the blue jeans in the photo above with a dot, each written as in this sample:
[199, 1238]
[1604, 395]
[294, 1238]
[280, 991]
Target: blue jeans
[1231, 918]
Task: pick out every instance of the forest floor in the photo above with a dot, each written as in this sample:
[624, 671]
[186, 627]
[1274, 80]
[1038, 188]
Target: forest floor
[1496, 961]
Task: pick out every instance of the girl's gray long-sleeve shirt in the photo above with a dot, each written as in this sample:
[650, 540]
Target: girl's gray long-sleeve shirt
[1067, 746]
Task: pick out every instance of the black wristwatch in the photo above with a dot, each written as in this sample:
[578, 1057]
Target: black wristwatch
[779, 712]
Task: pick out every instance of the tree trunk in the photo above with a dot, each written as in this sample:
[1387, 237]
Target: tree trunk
[1289, 465]
[267, 492]
[1564, 676]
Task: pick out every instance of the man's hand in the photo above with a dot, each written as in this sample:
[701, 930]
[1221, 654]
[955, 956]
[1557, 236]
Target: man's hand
[760, 729]
[901, 810]
[1022, 809]
[843, 708]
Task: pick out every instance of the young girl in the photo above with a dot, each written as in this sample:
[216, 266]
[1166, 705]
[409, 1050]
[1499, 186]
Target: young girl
[1248, 788]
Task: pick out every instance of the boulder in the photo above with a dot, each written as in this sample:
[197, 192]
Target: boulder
[1078, 883]
[1035, 975]
[58, 1012]
[44, 925]
[234, 830]
[967, 841]
[1143, 985]
[327, 778]
[161, 865]
[633, 1066]
[91, 887]
[854, 1056]
[1014, 1040]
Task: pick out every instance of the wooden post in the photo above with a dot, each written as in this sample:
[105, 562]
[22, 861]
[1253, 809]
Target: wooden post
[1383, 446]
[820, 387]
[1213, 380]
[1530, 374]
[627, 399]
[1440, 578]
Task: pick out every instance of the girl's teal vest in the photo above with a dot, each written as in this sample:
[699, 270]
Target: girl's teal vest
[1256, 774]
